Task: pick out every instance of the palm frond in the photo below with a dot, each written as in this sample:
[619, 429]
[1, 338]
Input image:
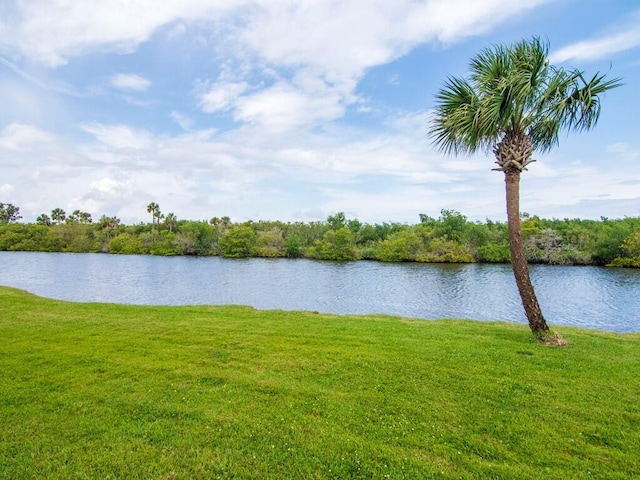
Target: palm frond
[453, 129]
[515, 89]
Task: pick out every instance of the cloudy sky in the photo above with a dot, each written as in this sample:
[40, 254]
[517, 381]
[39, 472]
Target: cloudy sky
[293, 109]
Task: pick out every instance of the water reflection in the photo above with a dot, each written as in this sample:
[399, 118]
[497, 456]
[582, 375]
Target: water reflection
[588, 297]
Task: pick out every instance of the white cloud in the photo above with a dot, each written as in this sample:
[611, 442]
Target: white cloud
[623, 38]
[51, 32]
[313, 52]
[452, 20]
[129, 81]
[106, 185]
[221, 96]
[6, 189]
[20, 137]
[283, 107]
[342, 38]
[119, 136]
[185, 122]
[623, 151]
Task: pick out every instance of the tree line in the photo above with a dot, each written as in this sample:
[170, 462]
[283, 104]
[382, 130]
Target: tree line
[450, 238]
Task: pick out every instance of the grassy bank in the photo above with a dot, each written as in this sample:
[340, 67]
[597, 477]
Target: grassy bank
[111, 391]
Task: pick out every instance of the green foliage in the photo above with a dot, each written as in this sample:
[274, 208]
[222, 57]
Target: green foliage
[631, 252]
[9, 213]
[452, 224]
[293, 246]
[515, 89]
[125, 243]
[58, 215]
[338, 245]
[270, 243]
[196, 238]
[35, 238]
[449, 238]
[610, 238]
[494, 253]
[238, 241]
[167, 246]
[402, 246]
[337, 221]
[83, 240]
[443, 250]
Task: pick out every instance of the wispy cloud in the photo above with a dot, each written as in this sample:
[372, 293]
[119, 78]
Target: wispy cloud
[220, 96]
[52, 32]
[184, 121]
[50, 87]
[119, 136]
[130, 81]
[621, 38]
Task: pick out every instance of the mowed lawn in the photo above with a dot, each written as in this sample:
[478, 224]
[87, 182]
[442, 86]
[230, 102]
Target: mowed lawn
[98, 391]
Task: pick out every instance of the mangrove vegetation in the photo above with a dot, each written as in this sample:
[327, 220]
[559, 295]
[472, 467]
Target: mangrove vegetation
[449, 238]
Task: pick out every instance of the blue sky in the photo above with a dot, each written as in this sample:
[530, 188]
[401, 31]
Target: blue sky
[293, 110]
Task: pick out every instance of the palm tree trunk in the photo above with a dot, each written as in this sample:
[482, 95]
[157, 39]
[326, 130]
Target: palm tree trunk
[537, 322]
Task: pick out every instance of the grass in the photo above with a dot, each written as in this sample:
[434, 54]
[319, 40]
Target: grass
[112, 391]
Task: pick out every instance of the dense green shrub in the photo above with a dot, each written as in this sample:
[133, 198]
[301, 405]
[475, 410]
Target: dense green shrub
[443, 250]
[631, 252]
[338, 245]
[402, 246]
[494, 253]
[128, 244]
[270, 243]
[238, 241]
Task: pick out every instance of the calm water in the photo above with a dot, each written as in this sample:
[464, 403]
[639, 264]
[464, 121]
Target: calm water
[589, 297]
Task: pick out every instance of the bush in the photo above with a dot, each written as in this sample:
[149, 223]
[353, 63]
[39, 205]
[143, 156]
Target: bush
[494, 253]
[443, 250]
[402, 246]
[127, 244]
[270, 243]
[631, 249]
[338, 245]
[238, 242]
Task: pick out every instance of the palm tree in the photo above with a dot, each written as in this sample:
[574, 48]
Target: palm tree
[43, 219]
[171, 221]
[85, 217]
[513, 103]
[74, 217]
[154, 209]
[58, 215]
[109, 222]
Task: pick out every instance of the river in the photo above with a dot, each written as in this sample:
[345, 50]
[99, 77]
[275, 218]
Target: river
[587, 297]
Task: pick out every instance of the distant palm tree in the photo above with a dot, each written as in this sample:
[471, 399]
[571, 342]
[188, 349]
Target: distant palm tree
[58, 215]
[109, 222]
[154, 209]
[515, 102]
[85, 217]
[74, 217]
[43, 219]
[171, 221]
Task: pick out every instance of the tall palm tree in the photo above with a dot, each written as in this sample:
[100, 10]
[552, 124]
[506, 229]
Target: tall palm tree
[515, 102]
[154, 209]
[58, 215]
[43, 219]
[171, 221]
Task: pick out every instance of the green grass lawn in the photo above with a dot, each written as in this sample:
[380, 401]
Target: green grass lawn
[102, 391]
